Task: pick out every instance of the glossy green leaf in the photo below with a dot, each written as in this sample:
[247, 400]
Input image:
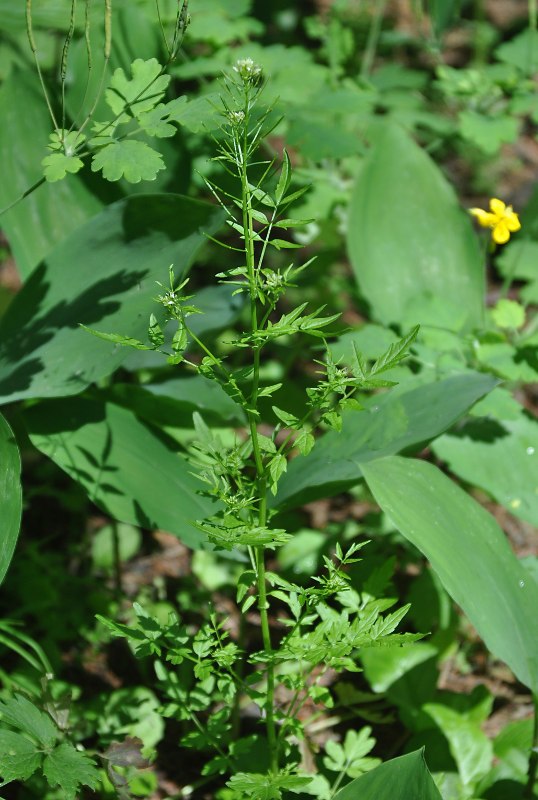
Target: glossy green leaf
[174, 401]
[103, 276]
[10, 495]
[126, 468]
[404, 418]
[499, 456]
[407, 233]
[469, 552]
[53, 211]
[403, 778]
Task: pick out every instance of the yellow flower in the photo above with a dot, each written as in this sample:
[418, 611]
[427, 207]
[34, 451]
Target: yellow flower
[501, 219]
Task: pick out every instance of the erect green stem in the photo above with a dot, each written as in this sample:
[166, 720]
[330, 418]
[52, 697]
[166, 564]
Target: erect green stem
[263, 604]
[533, 759]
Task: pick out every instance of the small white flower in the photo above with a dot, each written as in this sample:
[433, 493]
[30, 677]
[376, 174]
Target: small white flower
[247, 69]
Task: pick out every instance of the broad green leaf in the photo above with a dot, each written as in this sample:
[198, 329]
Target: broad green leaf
[66, 767]
[174, 401]
[407, 674]
[500, 456]
[403, 778]
[22, 714]
[404, 418]
[469, 552]
[469, 745]
[407, 233]
[19, 758]
[10, 495]
[141, 92]
[125, 466]
[53, 211]
[133, 159]
[103, 276]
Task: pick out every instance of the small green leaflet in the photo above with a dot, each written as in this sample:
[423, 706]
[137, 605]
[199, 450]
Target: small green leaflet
[288, 419]
[284, 179]
[277, 466]
[57, 165]
[349, 758]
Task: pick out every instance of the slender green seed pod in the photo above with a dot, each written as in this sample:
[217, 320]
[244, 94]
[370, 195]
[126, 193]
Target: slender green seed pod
[29, 28]
[87, 35]
[108, 27]
[63, 66]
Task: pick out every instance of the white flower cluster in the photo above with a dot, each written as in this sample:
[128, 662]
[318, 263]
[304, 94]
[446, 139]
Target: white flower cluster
[247, 69]
[236, 117]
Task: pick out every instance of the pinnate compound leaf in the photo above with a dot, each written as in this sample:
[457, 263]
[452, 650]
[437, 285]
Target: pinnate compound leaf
[133, 160]
[57, 165]
[396, 353]
[70, 769]
[22, 714]
[349, 757]
[18, 757]
[265, 787]
[117, 338]
[142, 92]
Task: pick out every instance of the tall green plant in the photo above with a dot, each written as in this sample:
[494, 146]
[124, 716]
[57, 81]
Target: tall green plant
[238, 479]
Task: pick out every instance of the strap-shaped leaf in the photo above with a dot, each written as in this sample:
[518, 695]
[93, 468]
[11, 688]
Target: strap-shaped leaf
[10, 495]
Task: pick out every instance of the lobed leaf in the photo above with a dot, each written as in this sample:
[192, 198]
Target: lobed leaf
[140, 93]
[131, 159]
[58, 165]
[70, 769]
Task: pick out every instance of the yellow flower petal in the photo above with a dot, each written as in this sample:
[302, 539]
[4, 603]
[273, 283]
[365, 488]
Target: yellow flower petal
[497, 206]
[512, 222]
[501, 233]
[484, 218]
